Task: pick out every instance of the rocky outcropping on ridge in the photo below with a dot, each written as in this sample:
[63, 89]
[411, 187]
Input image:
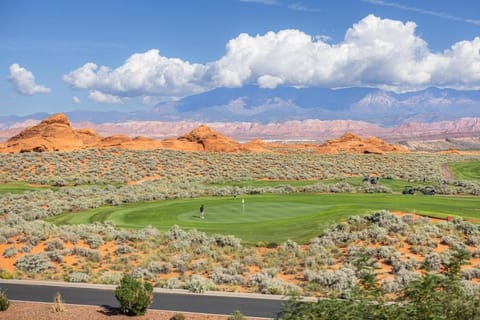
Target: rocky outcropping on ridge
[52, 134]
[56, 134]
[350, 143]
[211, 140]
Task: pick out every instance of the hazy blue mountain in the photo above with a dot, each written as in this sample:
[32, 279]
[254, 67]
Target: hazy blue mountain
[251, 103]
[254, 104]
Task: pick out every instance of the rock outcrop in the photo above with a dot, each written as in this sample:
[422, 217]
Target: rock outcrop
[350, 143]
[56, 134]
[52, 134]
[211, 140]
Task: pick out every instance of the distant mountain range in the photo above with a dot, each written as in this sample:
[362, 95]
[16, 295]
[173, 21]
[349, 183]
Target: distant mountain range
[293, 113]
[254, 104]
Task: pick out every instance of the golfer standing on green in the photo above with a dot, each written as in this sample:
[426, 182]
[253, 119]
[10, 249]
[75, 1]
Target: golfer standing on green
[202, 212]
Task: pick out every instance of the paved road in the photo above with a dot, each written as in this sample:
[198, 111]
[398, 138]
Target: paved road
[181, 302]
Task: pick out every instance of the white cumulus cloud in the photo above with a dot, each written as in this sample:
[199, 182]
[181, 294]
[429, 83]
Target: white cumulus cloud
[142, 73]
[24, 81]
[101, 97]
[375, 52]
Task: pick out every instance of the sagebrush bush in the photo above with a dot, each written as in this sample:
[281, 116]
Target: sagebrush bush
[34, 263]
[135, 296]
[10, 252]
[110, 277]
[172, 283]
[198, 284]
[78, 277]
[265, 282]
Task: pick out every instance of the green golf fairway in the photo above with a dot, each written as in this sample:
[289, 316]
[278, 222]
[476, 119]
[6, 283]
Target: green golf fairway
[270, 218]
[19, 187]
[468, 170]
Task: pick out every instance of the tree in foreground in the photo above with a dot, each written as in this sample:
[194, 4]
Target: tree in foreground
[134, 295]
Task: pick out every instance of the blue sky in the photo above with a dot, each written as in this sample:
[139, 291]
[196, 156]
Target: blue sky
[58, 56]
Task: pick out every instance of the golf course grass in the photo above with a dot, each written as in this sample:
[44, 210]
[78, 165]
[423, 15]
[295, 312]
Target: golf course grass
[270, 218]
[396, 185]
[468, 170]
[19, 187]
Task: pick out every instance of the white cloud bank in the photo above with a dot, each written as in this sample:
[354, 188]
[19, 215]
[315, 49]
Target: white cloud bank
[24, 81]
[375, 52]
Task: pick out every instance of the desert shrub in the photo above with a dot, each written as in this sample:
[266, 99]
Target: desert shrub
[78, 277]
[473, 240]
[226, 276]
[178, 316]
[265, 282]
[25, 249]
[198, 284]
[121, 249]
[408, 219]
[404, 277]
[157, 267]
[390, 285]
[10, 252]
[93, 241]
[91, 255]
[69, 236]
[436, 261]
[338, 280]
[419, 238]
[290, 246]
[54, 244]
[134, 296]
[56, 256]
[227, 241]
[452, 241]
[172, 283]
[374, 188]
[4, 302]
[141, 273]
[471, 273]
[34, 263]
[200, 266]
[466, 228]
[110, 277]
[236, 315]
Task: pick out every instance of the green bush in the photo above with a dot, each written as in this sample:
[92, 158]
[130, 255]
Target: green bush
[178, 316]
[135, 296]
[236, 315]
[4, 303]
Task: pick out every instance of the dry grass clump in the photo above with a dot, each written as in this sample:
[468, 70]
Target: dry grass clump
[58, 304]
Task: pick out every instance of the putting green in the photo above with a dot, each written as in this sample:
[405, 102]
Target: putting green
[269, 218]
[254, 210]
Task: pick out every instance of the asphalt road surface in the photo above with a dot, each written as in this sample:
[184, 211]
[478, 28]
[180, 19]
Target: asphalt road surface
[180, 302]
